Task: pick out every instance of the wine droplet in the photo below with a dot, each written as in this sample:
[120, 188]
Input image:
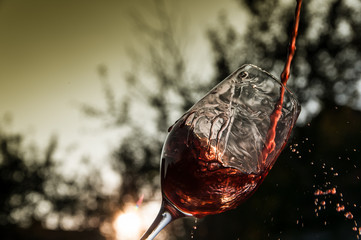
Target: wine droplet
[349, 215]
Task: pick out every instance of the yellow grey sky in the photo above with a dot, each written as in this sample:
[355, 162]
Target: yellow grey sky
[50, 49]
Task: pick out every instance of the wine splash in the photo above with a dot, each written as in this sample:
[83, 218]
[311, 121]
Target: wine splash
[195, 180]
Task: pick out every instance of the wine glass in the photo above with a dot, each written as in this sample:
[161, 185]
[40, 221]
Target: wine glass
[219, 152]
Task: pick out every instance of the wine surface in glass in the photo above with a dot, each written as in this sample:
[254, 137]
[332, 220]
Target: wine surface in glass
[194, 179]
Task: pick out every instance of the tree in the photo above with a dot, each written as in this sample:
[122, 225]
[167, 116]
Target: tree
[36, 196]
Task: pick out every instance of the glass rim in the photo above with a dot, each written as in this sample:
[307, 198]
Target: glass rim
[269, 75]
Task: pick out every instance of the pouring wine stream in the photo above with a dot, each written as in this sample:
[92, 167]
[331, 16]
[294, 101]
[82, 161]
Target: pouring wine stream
[205, 169]
[270, 143]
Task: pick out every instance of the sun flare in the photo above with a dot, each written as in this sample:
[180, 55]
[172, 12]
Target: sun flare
[127, 224]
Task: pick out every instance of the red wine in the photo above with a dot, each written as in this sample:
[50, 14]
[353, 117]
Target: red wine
[275, 116]
[292, 45]
[194, 179]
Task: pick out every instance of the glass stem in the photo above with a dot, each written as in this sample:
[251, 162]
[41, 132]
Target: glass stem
[162, 220]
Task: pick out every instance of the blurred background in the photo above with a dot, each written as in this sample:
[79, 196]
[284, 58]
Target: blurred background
[89, 89]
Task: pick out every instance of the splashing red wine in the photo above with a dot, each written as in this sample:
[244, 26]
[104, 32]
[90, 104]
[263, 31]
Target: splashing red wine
[198, 183]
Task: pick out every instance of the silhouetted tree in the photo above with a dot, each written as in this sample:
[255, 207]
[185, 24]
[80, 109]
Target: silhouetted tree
[34, 193]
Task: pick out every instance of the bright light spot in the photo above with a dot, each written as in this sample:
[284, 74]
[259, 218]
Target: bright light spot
[127, 225]
[131, 222]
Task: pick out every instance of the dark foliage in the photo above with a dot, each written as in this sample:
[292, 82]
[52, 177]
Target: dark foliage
[34, 190]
